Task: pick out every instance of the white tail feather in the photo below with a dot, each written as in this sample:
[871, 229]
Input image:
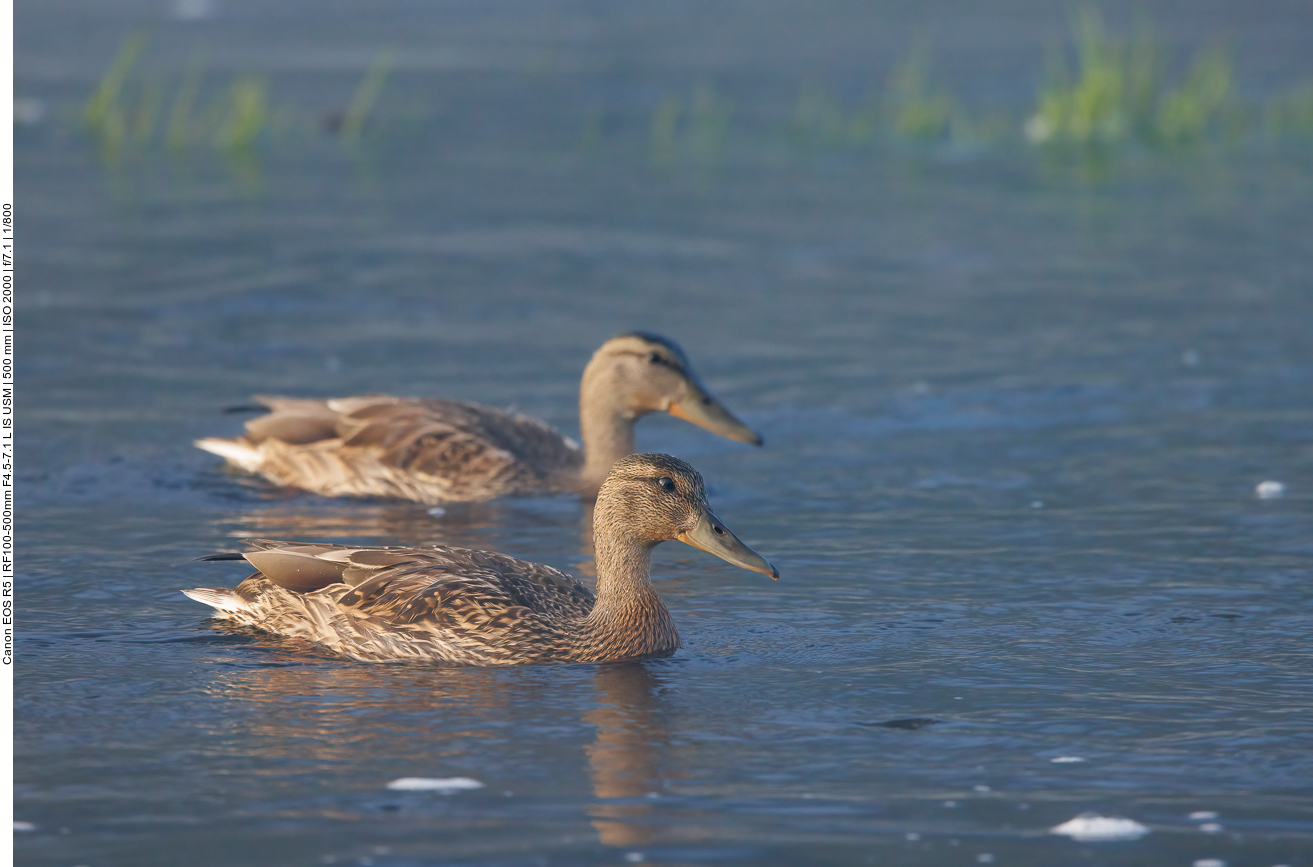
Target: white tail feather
[224, 600]
[234, 451]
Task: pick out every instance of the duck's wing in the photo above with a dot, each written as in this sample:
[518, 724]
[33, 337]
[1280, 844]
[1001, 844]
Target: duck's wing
[390, 582]
[426, 450]
[474, 599]
[386, 602]
[474, 449]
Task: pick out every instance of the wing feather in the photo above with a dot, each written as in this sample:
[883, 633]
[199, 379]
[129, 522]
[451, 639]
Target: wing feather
[437, 603]
[426, 450]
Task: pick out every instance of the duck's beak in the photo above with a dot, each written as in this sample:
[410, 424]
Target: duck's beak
[698, 406]
[714, 537]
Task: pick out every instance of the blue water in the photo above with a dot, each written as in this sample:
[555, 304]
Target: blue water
[1015, 411]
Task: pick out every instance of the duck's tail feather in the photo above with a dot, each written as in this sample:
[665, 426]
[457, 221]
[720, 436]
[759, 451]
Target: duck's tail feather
[234, 451]
[218, 598]
[225, 555]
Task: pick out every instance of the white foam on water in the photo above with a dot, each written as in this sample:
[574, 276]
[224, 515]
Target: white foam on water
[446, 785]
[1065, 760]
[193, 10]
[1210, 827]
[1038, 130]
[1202, 815]
[23, 826]
[1209, 862]
[1270, 490]
[28, 111]
[1093, 828]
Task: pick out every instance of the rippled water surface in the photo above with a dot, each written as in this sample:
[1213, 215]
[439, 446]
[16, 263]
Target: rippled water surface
[1014, 412]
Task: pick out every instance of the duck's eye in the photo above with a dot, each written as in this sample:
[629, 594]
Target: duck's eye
[654, 358]
[666, 483]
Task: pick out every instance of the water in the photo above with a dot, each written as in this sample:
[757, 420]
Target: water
[1015, 419]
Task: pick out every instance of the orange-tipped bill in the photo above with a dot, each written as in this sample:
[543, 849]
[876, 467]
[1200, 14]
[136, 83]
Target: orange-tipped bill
[715, 538]
[699, 407]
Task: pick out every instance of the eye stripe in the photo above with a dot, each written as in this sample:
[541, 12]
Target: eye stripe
[659, 359]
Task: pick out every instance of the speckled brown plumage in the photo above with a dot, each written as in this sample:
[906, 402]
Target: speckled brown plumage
[436, 451]
[432, 451]
[467, 607]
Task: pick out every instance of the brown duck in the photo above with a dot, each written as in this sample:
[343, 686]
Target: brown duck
[436, 451]
[465, 607]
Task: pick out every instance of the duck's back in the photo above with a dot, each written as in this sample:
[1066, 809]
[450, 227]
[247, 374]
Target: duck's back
[440, 603]
[427, 450]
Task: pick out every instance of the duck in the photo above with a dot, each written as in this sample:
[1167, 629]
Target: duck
[439, 451]
[463, 607]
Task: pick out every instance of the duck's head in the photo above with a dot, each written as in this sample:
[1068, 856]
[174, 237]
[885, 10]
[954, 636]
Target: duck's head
[638, 373]
[657, 498]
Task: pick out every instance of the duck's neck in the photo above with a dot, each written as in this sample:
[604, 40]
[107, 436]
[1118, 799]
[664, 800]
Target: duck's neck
[606, 426]
[629, 620]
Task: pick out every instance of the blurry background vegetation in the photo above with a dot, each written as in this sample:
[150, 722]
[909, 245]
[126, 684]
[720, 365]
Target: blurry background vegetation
[1101, 96]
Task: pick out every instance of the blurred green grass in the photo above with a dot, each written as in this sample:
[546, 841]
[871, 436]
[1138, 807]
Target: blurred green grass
[1100, 96]
[690, 129]
[126, 115]
[1119, 93]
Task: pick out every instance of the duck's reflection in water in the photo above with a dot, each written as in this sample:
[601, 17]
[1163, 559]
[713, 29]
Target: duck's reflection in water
[587, 565]
[327, 716]
[546, 524]
[624, 759]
